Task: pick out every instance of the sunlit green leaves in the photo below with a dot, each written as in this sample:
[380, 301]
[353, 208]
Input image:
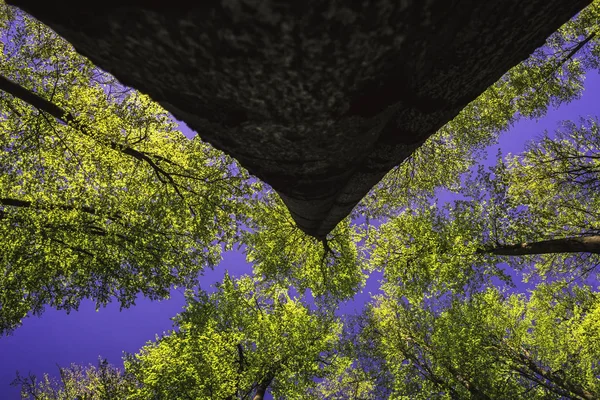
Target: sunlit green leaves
[280, 252]
[102, 197]
[490, 346]
[431, 252]
[107, 200]
[236, 339]
[77, 382]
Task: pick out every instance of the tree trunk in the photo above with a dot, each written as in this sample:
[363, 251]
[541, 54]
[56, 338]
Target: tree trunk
[261, 390]
[35, 100]
[555, 379]
[582, 244]
[4, 201]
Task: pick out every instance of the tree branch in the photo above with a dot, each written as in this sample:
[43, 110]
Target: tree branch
[5, 201]
[69, 119]
[582, 244]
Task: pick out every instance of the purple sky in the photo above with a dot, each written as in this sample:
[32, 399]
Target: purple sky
[80, 337]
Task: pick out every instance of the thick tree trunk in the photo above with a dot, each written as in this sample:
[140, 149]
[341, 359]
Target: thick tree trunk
[318, 99]
[583, 244]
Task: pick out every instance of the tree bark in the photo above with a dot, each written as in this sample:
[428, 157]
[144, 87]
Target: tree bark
[5, 201]
[555, 379]
[67, 118]
[261, 390]
[582, 244]
[28, 204]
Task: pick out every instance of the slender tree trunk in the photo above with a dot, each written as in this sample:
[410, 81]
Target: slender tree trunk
[28, 204]
[115, 216]
[65, 117]
[261, 390]
[557, 380]
[60, 114]
[583, 244]
[474, 390]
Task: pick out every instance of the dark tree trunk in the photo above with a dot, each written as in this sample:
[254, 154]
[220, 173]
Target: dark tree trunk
[28, 204]
[60, 114]
[66, 117]
[583, 244]
[318, 99]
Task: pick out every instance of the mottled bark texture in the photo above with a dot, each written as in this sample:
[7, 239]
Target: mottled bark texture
[320, 99]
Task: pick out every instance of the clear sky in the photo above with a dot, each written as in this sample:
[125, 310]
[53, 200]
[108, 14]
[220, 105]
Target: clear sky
[81, 337]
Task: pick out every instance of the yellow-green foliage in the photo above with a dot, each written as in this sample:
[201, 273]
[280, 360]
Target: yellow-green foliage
[493, 346]
[108, 201]
[234, 339]
[115, 203]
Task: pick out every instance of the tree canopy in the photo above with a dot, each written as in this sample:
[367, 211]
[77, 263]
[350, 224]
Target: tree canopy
[103, 198]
